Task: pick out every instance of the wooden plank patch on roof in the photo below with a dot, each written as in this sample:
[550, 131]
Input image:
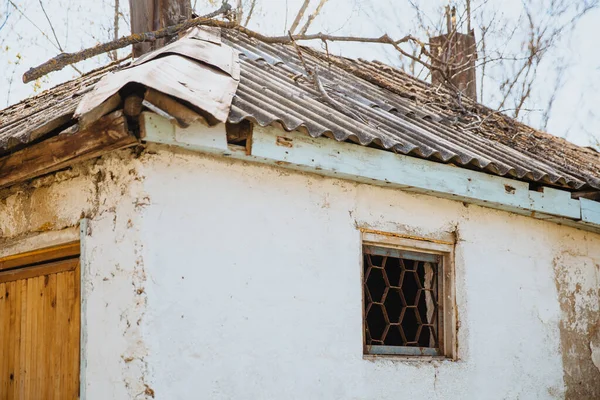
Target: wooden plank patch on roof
[108, 133]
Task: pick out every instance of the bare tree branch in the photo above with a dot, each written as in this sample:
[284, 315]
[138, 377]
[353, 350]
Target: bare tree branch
[312, 16]
[60, 61]
[543, 33]
[250, 12]
[299, 16]
[34, 25]
[468, 16]
[51, 25]
[557, 85]
[483, 52]
[115, 55]
[57, 44]
[239, 12]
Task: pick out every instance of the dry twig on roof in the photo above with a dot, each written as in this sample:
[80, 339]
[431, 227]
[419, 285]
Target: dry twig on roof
[313, 77]
[325, 97]
[59, 62]
[300, 56]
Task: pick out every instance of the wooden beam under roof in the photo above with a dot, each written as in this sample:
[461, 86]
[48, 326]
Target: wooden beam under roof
[108, 133]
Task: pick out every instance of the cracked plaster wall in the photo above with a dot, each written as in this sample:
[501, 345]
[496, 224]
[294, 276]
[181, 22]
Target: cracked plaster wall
[108, 192]
[215, 278]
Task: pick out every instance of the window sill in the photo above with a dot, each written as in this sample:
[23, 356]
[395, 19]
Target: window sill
[404, 358]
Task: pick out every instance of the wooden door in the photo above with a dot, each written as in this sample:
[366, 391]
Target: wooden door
[40, 325]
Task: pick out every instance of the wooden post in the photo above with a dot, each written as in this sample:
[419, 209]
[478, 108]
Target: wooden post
[457, 53]
[150, 15]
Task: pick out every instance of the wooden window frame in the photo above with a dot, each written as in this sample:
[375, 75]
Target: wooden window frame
[447, 302]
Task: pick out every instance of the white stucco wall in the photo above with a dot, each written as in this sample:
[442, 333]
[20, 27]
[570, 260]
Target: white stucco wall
[215, 278]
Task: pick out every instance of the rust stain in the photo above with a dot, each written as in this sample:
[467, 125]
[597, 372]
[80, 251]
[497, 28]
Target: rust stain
[284, 141]
[509, 189]
[149, 391]
[47, 226]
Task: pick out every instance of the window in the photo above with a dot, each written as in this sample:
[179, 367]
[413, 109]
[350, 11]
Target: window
[40, 324]
[407, 296]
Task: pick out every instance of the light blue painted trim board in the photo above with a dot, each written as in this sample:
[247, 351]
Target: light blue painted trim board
[324, 156]
[590, 211]
[351, 161]
[197, 137]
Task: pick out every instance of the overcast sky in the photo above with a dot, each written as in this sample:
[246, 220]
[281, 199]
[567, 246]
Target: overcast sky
[26, 39]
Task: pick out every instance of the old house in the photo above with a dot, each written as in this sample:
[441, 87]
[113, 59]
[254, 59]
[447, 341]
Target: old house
[212, 222]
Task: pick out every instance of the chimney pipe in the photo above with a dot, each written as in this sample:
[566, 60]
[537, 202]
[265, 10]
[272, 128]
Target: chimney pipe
[151, 15]
[456, 54]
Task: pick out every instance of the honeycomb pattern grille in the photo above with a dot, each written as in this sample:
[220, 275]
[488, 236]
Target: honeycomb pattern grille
[400, 298]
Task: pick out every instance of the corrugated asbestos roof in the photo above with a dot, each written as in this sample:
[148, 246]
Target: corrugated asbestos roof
[374, 104]
[34, 117]
[393, 110]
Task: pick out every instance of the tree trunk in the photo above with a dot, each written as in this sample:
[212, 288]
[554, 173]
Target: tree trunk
[150, 15]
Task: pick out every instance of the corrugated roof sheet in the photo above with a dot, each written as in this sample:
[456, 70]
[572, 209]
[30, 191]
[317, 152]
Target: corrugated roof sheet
[195, 68]
[388, 108]
[374, 105]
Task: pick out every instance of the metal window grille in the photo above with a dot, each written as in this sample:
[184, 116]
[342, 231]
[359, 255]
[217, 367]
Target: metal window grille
[401, 301]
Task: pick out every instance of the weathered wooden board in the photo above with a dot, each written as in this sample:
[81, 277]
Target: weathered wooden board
[182, 115]
[94, 115]
[109, 133]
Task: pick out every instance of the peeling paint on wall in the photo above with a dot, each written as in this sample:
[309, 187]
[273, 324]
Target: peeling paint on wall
[578, 286]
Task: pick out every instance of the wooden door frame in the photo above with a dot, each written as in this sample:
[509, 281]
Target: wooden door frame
[44, 255]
